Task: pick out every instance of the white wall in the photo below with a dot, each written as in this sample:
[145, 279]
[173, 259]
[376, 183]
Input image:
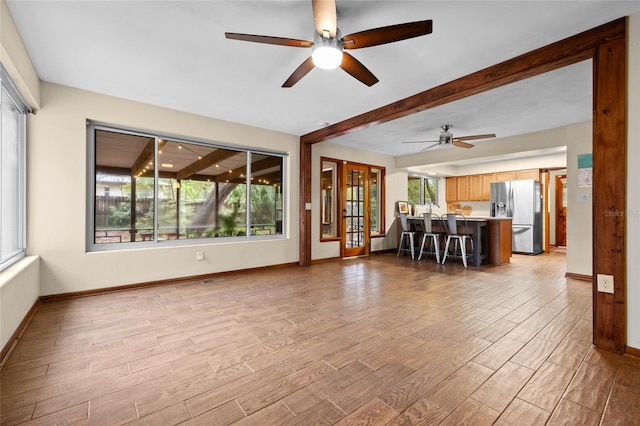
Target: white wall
[57, 159]
[19, 290]
[579, 204]
[633, 177]
[15, 59]
[396, 189]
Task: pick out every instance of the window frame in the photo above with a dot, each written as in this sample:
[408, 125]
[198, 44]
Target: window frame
[91, 246]
[423, 180]
[8, 88]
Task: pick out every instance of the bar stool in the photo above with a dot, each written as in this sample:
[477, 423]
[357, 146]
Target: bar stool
[451, 225]
[406, 232]
[434, 244]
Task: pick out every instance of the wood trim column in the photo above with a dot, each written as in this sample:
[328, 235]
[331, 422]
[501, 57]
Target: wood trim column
[609, 192]
[305, 197]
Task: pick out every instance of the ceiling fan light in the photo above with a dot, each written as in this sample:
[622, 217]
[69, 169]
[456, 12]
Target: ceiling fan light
[327, 51]
[327, 57]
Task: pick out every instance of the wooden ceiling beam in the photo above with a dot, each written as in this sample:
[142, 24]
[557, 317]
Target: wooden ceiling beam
[205, 162]
[548, 58]
[263, 164]
[147, 154]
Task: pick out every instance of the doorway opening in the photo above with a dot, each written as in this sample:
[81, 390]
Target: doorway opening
[561, 210]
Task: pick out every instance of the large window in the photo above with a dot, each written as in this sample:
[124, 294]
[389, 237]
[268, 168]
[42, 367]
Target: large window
[423, 190]
[150, 188]
[12, 174]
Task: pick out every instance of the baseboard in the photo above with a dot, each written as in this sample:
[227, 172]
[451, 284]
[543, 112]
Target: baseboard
[324, 260]
[632, 352]
[580, 277]
[85, 293]
[17, 335]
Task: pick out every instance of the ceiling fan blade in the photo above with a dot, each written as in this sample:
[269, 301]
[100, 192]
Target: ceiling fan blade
[357, 70]
[430, 146]
[461, 144]
[474, 137]
[390, 34]
[300, 72]
[324, 15]
[280, 41]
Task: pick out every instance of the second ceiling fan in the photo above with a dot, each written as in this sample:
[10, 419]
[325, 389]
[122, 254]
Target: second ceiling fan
[446, 138]
[328, 45]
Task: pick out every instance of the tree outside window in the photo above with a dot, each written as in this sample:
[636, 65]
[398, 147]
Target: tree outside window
[422, 190]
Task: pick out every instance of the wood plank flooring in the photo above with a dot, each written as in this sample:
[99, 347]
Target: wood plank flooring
[378, 340]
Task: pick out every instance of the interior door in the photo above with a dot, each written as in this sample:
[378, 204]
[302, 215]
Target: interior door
[355, 211]
[561, 210]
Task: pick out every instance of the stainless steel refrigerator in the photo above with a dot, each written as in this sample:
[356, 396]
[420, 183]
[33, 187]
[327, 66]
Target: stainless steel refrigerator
[522, 202]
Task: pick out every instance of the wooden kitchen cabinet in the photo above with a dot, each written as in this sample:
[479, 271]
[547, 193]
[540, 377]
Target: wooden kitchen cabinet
[528, 174]
[487, 180]
[463, 188]
[505, 176]
[452, 189]
[476, 188]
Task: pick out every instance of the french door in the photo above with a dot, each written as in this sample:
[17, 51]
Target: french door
[355, 211]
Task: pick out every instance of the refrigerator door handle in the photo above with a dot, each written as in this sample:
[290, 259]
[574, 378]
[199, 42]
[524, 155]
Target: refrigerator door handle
[510, 201]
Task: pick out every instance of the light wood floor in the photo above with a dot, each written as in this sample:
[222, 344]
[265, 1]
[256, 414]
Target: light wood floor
[378, 340]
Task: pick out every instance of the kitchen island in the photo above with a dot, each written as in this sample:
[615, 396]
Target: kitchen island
[491, 237]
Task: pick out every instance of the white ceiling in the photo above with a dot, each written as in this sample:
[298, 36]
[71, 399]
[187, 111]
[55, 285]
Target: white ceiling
[174, 54]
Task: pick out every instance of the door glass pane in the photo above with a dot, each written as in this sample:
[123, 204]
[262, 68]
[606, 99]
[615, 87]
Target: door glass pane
[355, 208]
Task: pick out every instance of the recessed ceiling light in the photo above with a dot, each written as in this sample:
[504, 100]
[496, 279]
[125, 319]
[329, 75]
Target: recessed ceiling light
[167, 165]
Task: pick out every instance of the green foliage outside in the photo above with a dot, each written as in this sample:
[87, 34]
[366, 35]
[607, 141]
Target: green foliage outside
[429, 190]
[195, 197]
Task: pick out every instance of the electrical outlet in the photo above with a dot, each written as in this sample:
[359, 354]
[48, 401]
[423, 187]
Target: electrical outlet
[605, 283]
[200, 255]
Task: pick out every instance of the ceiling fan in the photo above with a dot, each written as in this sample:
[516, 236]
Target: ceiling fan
[446, 138]
[328, 45]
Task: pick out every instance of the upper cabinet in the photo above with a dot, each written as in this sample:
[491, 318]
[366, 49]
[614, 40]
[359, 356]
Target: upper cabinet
[452, 189]
[528, 174]
[478, 187]
[463, 188]
[505, 176]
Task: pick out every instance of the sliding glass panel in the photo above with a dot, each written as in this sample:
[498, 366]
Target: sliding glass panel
[414, 196]
[430, 190]
[11, 180]
[266, 194]
[124, 187]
